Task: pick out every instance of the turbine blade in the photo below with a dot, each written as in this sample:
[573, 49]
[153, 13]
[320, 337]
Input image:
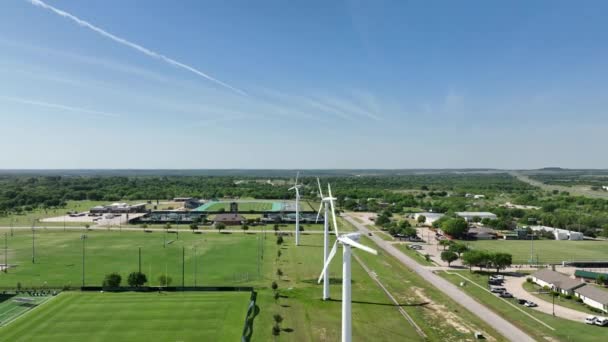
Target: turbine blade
[331, 255]
[319, 213]
[320, 191]
[293, 187]
[349, 241]
[333, 209]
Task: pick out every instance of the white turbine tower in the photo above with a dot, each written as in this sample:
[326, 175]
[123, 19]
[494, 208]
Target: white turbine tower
[347, 241]
[325, 205]
[296, 187]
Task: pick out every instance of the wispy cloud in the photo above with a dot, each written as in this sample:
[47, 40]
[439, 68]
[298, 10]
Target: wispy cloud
[58, 106]
[132, 45]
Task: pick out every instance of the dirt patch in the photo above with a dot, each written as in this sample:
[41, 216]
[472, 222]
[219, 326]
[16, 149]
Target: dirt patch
[443, 314]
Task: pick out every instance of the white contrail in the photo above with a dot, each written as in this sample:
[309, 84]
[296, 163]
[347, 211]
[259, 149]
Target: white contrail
[59, 106]
[132, 45]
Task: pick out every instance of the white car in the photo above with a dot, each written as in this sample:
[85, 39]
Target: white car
[530, 304]
[601, 321]
[590, 319]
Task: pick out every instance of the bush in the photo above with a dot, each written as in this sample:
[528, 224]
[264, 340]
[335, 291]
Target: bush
[112, 280]
[529, 280]
[165, 280]
[137, 279]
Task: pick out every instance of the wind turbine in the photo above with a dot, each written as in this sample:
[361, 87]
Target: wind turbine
[347, 241]
[297, 187]
[325, 205]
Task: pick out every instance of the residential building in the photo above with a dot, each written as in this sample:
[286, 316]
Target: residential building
[593, 296]
[556, 281]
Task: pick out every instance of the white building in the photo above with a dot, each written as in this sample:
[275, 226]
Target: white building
[593, 296]
[560, 234]
[430, 217]
[556, 281]
[605, 187]
[469, 215]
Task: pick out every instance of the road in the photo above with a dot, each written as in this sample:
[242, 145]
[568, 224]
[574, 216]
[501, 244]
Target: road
[501, 325]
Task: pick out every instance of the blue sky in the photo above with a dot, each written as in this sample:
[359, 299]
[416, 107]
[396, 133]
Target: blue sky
[304, 84]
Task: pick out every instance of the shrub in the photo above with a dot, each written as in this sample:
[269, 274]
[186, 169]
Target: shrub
[112, 280]
[529, 280]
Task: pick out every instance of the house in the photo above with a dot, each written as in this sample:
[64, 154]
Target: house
[593, 296]
[118, 208]
[556, 281]
[430, 217]
[470, 215]
[589, 276]
[231, 219]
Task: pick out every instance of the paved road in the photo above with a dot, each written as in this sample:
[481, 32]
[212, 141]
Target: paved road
[503, 326]
[515, 286]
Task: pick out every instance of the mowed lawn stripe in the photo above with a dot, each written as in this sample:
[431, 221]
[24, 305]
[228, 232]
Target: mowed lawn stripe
[134, 317]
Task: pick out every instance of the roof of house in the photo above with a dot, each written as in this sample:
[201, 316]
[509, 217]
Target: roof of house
[588, 274]
[475, 213]
[231, 217]
[557, 279]
[594, 293]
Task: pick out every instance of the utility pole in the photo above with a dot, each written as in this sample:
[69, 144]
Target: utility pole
[83, 237]
[183, 267]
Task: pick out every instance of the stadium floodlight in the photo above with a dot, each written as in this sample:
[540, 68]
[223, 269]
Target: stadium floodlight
[347, 241]
[297, 187]
[324, 205]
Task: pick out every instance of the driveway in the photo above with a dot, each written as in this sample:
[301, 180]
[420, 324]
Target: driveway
[515, 286]
[504, 327]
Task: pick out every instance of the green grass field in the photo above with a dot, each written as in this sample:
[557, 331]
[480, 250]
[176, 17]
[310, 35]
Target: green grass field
[564, 330]
[59, 257]
[546, 250]
[224, 259]
[191, 316]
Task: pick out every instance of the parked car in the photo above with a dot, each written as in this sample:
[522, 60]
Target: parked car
[497, 289]
[601, 321]
[590, 319]
[521, 301]
[495, 282]
[530, 304]
[416, 247]
[505, 294]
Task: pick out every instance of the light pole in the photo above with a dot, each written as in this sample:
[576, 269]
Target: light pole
[140, 259]
[532, 219]
[83, 237]
[195, 265]
[33, 245]
[183, 267]
[5, 252]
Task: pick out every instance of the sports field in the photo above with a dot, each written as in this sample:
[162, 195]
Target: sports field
[243, 206]
[547, 250]
[174, 316]
[220, 258]
[11, 307]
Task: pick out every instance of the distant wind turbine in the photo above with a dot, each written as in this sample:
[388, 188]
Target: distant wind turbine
[297, 187]
[325, 205]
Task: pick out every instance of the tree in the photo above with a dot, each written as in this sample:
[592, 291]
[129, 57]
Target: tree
[279, 273]
[112, 280]
[275, 227]
[445, 243]
[137, 279]
[193, 226]
[279, 240]
[459, 248]
[448, 256]
[165, 280]
[455, 227]
[421, 219]
[601, 280]
[274, 286]
[276, 330]
[475, 258]
[382, 219]
[277, 319]
[245, 228]
[219, 226]
[500, 261]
